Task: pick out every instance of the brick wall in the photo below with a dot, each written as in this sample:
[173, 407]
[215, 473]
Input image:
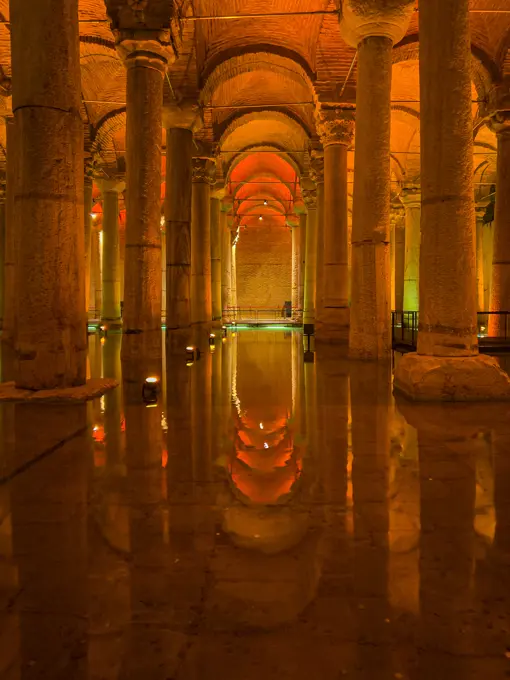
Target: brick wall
[264, 256]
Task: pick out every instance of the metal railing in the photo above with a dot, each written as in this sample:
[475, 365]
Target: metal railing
[261, 316]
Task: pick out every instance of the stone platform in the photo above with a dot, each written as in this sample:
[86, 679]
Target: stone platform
[91, 390]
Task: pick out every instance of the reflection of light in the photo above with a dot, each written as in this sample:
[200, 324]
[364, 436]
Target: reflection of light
[482, 328]
[103, 341]
[93, 215]
[164, 424]
[190, 349]
[151, 380]
[164, 458]
[162, 221]
[265, 201]
[260, 218]
[150, 405]
[261, 425]
[101, 404]
[266, 445]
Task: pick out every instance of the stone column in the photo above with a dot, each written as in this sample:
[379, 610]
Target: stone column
[10, 231]
[296, 257]
[201, 294]
[163, 273]
[233, 272]
[2, 253]
[146, 62]
[373, 28]
[95, 270]
[110, 308]
[302, 260]
[179, 123]
[480, 288]
[447, 365]
[310, 199]
[226, 260]
[488, 249]
[336, 129]
[317, 176]
[411, 199]
[397, 218]
[500, 289]
[215, 261]
[51, 333]
[87, 217]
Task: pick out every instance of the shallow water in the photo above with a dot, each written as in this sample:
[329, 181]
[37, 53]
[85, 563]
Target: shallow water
[265, 518]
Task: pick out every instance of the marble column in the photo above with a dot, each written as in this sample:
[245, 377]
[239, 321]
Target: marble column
[488, 249]
[447, 365]
[96, 288]
[317, 176]
[216, 261]
[500, 289]
[336, 129]
[226, 261]
[480, 288]
[146, 62]
[110, 308]
[10, 231]
[201, 293]
[51, 333]
[302, 260]
[310, 199]
[2, 253]
[233, 273]
[411, 200]
[373, 30]
[296, 258]
[87, 217]
[397, 218]
[179, 123]
[163, 274]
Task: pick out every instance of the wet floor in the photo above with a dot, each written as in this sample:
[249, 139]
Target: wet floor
[261, 517]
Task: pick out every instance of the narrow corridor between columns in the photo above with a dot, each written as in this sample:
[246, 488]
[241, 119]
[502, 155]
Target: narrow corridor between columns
[248, 514]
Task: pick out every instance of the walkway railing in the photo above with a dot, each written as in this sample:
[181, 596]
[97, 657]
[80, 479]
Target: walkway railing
[261, 316]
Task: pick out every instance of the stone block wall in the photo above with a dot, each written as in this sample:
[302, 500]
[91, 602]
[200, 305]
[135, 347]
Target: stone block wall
[264, 257]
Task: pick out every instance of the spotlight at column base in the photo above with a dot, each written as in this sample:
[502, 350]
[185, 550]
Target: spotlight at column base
[429, 378]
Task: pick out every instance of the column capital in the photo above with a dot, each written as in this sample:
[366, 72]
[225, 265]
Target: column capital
[411, 197]
[310, 198]
[397, 215]
[203, 170]
[144, 48]
[497, 108]
[317, 166]
[360, 19]
[111, 186]
[335, 125]
[185, 114]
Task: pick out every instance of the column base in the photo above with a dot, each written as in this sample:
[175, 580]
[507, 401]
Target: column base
[428, 378]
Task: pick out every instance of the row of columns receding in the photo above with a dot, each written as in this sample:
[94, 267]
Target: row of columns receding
[45, 318]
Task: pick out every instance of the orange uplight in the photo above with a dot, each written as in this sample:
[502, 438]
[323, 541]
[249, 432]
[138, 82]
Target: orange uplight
[164, 458]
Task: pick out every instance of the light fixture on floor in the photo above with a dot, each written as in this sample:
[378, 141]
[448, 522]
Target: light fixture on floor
[212, 339]
[150, 390]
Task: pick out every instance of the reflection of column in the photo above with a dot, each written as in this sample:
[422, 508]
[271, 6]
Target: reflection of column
[447, 364]
[112, 399]
[302, 262]
[412, 204]
[145, 62]
[87, 217]
[201, 301]
[310, 199]
[500, 290]
[226, 260]
[51, 334]
[480, 288]
[296, 257]
[110, 309]
[336, 129]
[215, 261]
[373, 33]
[49, 512]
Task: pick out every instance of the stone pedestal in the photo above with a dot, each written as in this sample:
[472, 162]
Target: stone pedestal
[50, 337]
[500, 289]
[373, 28]
[110, 308]
[201, 293]
[215, 261]
[447, 365]
[310, 199]
[411, 199]
[145, 62]
[336, 128]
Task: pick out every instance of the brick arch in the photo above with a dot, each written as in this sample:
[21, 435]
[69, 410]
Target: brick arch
[105, 131]
[298, 165]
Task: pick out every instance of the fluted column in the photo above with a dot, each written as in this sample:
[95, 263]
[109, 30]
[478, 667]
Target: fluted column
[296, 257]
[411, 200]
[226, 261]
[215, 261]
[310, 199]
[336, 128]
[110, 308]
[201, 293]
[373, 28]
[146, 62]
[447, 365]
[500, 289]
[50, 338]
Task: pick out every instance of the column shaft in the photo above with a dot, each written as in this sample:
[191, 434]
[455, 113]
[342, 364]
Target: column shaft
[412, 253]
[96, 288]
[233, 278]
[319, 237]
[110, 310]
[215, 260]
[370, 336]
[392, 263]
[226, 261]
[448, 268]
[163, 275]
[87, 210]
[142, 294]
[500, 291]
[10, 256]
[201, 294]
[2, 258]
[51, 340]
[296, 257]
[400, 261]
[335, 316]
[302, 260]
[310, 266]
[179, 144]
[480, 289]
[488, 249]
